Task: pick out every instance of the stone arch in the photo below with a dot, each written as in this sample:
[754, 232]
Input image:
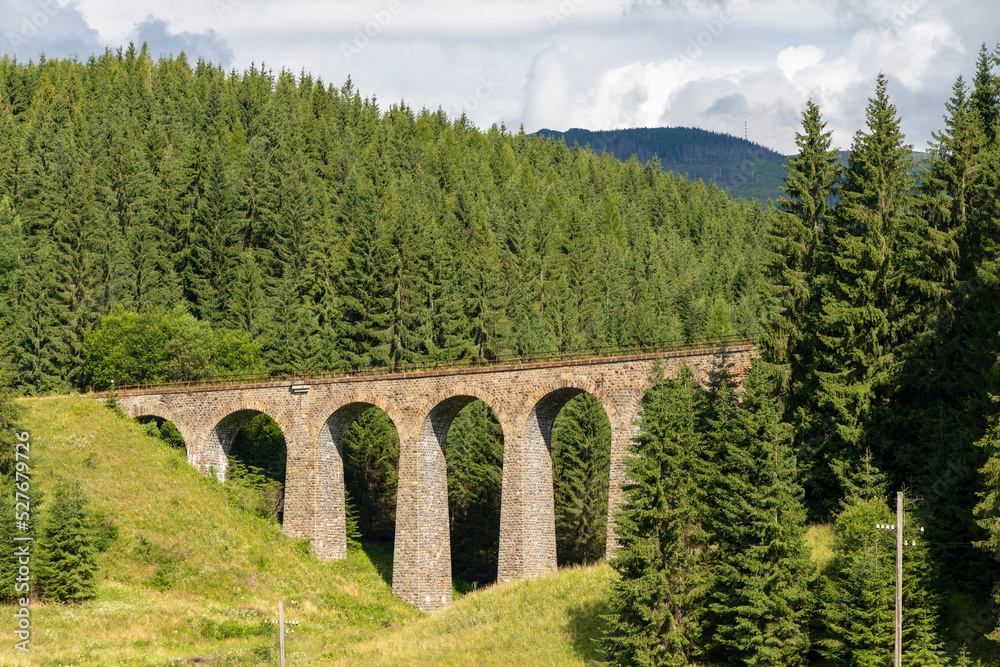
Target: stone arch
[456, 397]
[212, 451]
[421, 571]
[371, 401]
[549, 398]
[329, 536]
[153, 407]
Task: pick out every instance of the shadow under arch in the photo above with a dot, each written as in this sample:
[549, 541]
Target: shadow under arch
[580, 447]
[211, 454]
[163, 428]
[474, 462]
[329, 538]
[422, 558]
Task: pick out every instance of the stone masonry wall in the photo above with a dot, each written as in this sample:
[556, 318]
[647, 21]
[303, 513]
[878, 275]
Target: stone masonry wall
[314, 417]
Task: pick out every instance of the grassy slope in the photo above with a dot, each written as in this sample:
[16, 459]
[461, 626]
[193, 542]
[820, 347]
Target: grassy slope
[191, 579]
[186, 569]
[548, 621]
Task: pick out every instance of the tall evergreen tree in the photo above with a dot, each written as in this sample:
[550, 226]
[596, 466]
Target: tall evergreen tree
[366, 291]
[581, 450]
[657, 602]
[411, 337]
[474, 454]
[66, 562]
[371, 472]
[986, 94]
[868, 304]
[756, 610]
[856, 596]
[810, 187]
[12, 248]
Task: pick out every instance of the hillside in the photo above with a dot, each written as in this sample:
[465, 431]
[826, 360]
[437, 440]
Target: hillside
[746, 169]
[322, 231]
[191, 579]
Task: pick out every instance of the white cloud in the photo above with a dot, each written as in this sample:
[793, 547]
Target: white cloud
[29, 28]
[564, 63]
[797, 58]
[162, 40]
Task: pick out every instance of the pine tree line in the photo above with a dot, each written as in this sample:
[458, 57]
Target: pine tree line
[878, 373]
[329, 232]
[883, 336]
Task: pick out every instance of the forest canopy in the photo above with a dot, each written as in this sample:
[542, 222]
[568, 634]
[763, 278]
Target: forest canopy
[327, 231]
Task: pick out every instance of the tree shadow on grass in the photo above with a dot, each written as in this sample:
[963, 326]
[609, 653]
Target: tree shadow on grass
[586, 625]
[380, 554]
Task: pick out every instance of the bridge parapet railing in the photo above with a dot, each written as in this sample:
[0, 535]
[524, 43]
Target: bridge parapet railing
[454, 365]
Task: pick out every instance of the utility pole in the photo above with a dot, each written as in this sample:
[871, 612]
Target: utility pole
[898, 653]
[281, 631]
[900, 543]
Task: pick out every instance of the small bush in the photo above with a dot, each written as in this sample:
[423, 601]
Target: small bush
[250, 489]
[105, 529]
[234, 630]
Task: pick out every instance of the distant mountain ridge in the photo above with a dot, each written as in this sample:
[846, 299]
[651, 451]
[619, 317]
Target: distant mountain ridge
[746, 169]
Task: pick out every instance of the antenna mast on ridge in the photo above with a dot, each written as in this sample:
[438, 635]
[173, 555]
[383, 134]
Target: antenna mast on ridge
[746, 128]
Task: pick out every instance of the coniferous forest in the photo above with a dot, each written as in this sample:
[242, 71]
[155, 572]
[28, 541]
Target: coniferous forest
[163, 220]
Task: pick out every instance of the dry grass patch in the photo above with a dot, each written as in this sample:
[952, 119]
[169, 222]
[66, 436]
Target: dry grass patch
[819, 538]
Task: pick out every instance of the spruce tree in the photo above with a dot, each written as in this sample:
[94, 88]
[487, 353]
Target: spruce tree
[12, 247]
[10, 412]
[366, 291]
[942, 395]
[810, 188]
[657, 601]
[869, 307]
[371, 472]
[8, 531]
[66, 563]
[485, 301]
[474, 456]
[986, 94]
[856, 596]
[411, 330]
[855, 601]
[756, 610]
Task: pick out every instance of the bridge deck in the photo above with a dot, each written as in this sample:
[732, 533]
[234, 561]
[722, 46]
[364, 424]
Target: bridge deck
[697, 348]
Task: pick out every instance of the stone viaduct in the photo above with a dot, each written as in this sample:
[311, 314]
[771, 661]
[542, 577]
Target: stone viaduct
[314, 416]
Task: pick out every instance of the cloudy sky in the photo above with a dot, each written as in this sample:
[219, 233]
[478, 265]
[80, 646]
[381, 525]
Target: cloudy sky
[596, 64]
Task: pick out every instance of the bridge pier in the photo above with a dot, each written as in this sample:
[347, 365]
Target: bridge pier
[421, 565]
[527, 501]
[623, 430]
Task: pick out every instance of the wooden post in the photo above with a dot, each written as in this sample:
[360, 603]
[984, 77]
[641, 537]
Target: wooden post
[898, 656]
[281, 632]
